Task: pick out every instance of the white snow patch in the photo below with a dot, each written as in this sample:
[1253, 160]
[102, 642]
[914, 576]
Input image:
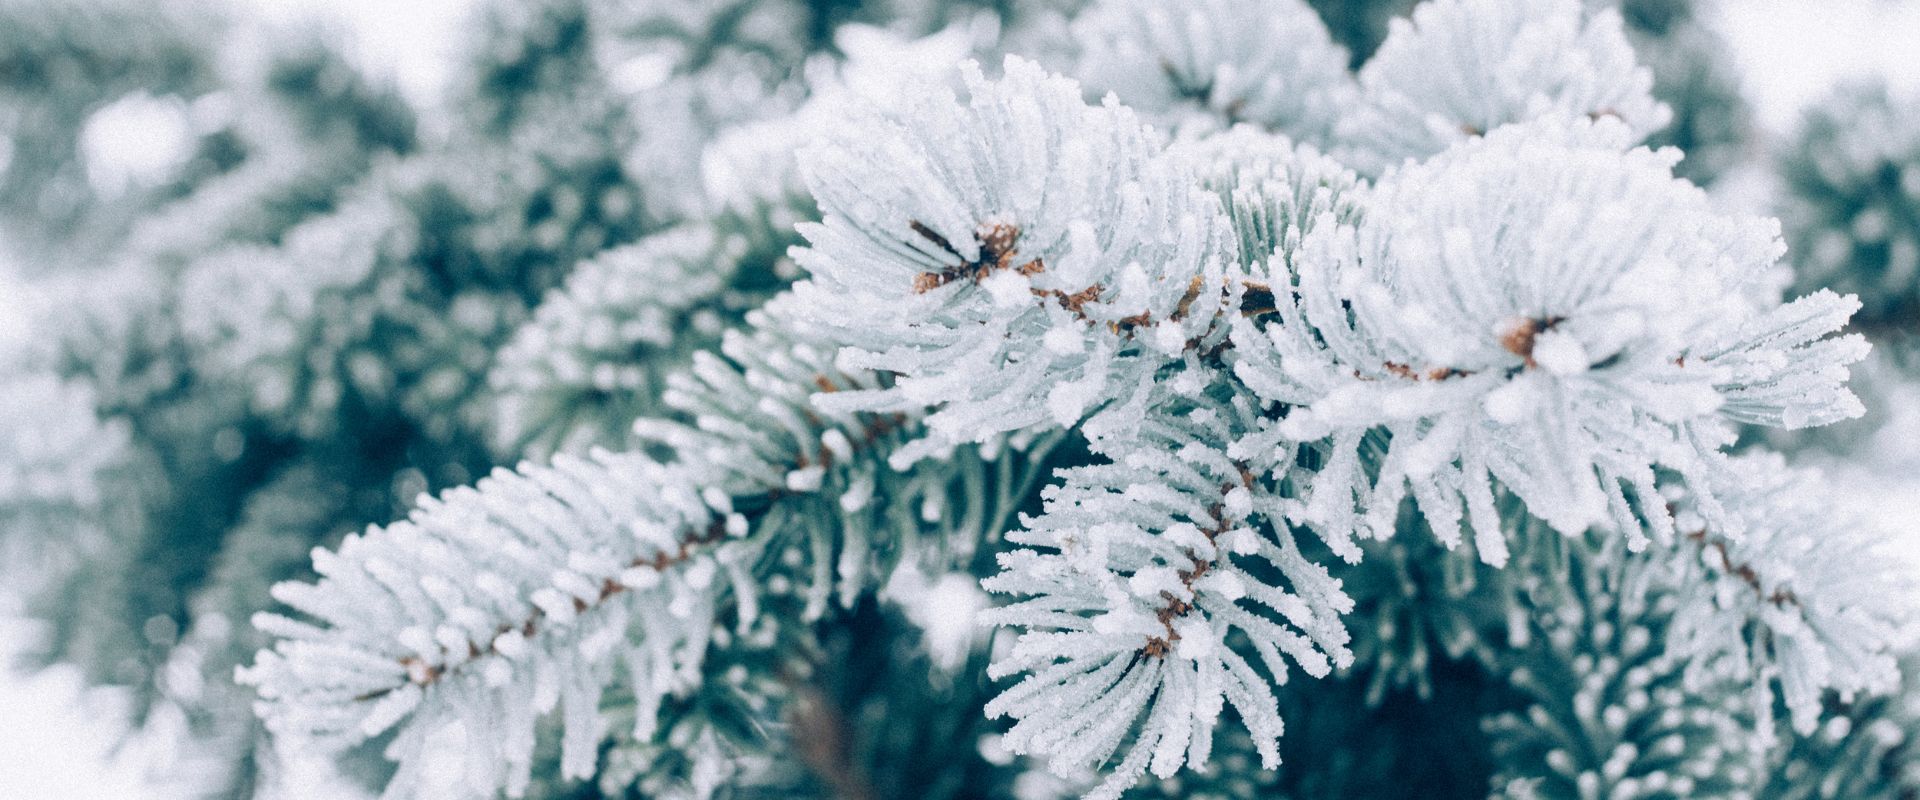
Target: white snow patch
[943, 607]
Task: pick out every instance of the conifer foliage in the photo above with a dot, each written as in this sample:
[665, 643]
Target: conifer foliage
[1853, 200]
[1043, 399]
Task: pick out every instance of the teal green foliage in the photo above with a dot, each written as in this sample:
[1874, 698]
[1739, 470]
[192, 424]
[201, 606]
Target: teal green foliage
[1606, 713]
[1405, 720]
[199, 450]
[59, 64]
[1341, 743]
[1866, 751]
[1712, 120]
[1852, 205]
[1360, 25]
[1425, 607]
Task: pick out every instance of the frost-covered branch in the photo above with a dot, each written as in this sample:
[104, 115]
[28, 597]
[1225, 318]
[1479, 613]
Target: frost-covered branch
[1540, 309]
[597, 346]
[489, 606]
[1143, 583]
[1807, 596]
[492, 604]
[1458, 69]
[1018, 259]
[1608, 709]
[1507, 311]
[1264, 62]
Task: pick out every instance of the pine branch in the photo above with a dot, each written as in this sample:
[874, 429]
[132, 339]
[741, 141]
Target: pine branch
[598, 350]
[1609, 711]
[1433, 85]
[1816, 599]
[547, 576]
[1271, 64]
[1256, 341]
[1133, 612]
[453, 615]
[1494, 367]
[1058, 318]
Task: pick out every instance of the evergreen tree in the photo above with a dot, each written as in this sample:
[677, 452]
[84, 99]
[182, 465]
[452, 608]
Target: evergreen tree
[1238, 402]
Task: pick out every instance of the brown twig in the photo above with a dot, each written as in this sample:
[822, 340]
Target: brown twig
[1172, 607]
[1779, 598]
[823, 740]
[1519, 339]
